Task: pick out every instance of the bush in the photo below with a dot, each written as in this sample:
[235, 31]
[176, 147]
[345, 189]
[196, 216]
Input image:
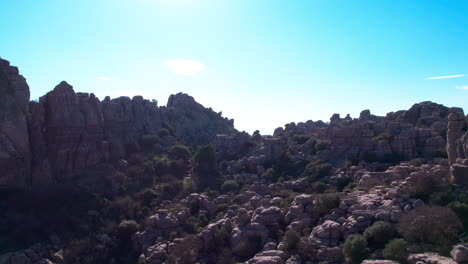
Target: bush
[355, 249]
[319, 187]
[396, 250]
[379, 233]
[322, 145]
[291, 239]
[270, 175]
[316, 169]
[126, 228]
[383, 136]
[229, 186]
[433, 226]
[189, 185]
[324, 203]
[343, 182]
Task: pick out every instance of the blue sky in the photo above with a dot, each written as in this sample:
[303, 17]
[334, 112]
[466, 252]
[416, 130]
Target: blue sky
[262, 62]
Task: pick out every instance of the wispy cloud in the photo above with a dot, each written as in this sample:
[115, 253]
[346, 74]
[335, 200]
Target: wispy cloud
[446, 77]
[185, 67]
[130, 93]
[101, 78]
[463, 87]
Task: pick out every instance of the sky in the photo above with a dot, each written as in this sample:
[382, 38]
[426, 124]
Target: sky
[264, 63]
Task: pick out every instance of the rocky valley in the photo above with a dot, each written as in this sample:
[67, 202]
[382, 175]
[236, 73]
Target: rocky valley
[127, 181]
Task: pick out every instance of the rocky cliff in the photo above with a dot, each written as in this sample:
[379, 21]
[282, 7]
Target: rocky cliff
[15, 155]
[66, 133]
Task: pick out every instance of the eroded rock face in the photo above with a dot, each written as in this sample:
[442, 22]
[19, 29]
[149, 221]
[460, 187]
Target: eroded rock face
[14, 139]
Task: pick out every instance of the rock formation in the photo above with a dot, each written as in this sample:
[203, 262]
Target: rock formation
[64, 134]
[15, 155]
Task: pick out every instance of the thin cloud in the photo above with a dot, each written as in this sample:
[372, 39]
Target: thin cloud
[465, 87]
[446, 77]
[130, 93]
[101, 78]
[185, 67]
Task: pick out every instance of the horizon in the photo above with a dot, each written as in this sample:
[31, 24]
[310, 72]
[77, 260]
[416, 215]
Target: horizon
[262, 63]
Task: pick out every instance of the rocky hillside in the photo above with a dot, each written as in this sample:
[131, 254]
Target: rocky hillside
[128, 181]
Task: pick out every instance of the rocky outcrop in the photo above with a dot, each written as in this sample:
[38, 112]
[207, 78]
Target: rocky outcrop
[15, 152]
[192, 122]
[402, 135]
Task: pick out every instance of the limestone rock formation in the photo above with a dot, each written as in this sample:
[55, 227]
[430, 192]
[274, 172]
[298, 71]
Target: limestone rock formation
[15, 153]
[65, 134]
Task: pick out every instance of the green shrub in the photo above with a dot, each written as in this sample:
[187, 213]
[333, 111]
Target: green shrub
[326, 202]
[189, 185]
[397, 250]
[291, 239]
[350, 186]
[319, 187]
[316, 169]
[194, 207]
[379, 233]
[355, 249]
[229, 186]
[322, 145]
[435, 227]
[126, 228]
[270, 175]
[351, 161]
[383, 136]
[342, 183]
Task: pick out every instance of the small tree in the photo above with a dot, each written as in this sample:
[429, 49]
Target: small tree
[396, 249]
[205, 166]
[379, 233]
[326, 202]
[229, 186]
[355, 249]
[291, 239]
